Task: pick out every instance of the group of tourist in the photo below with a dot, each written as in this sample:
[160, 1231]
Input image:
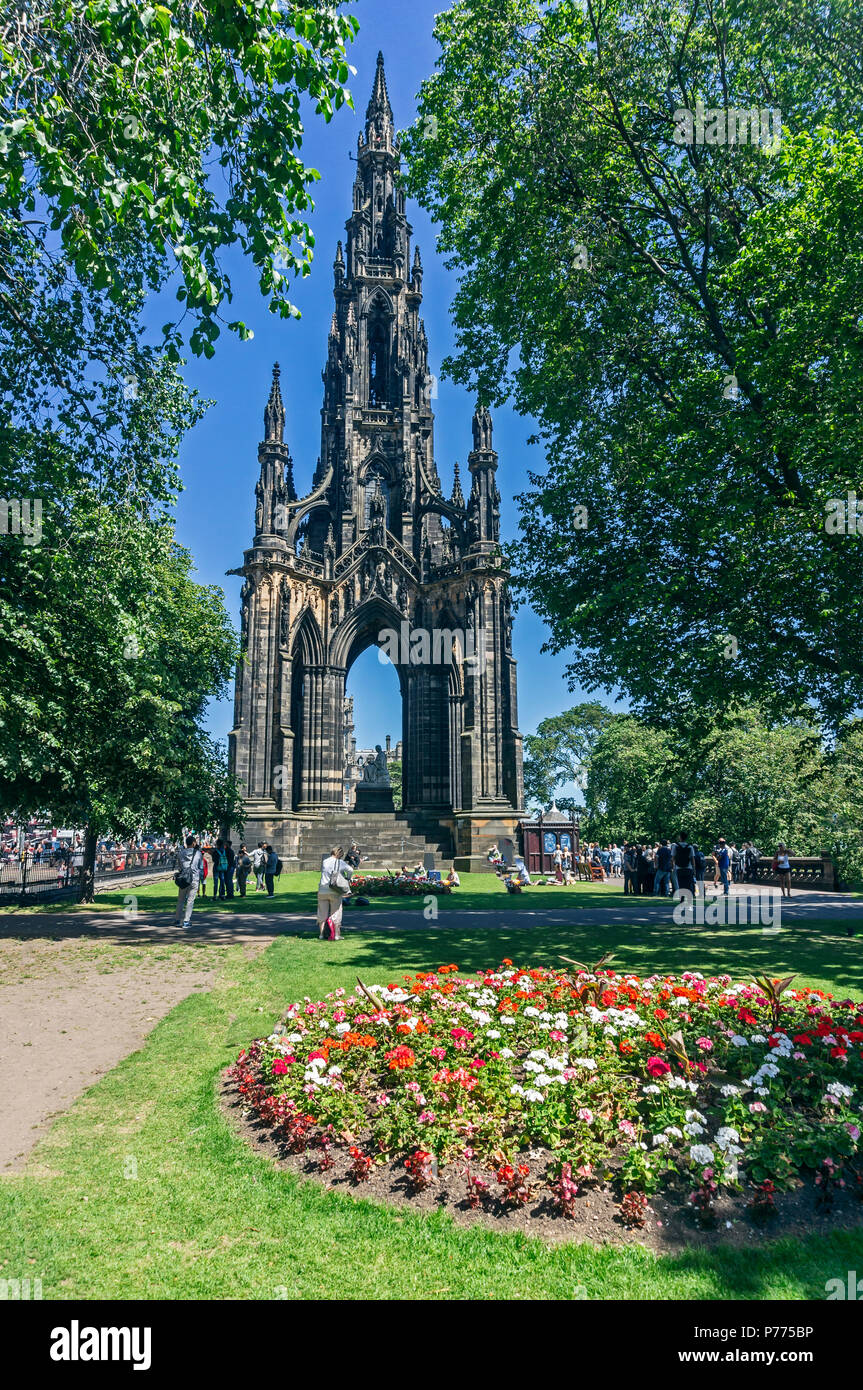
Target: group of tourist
[667, 866]
[659, 868]
[194, 864]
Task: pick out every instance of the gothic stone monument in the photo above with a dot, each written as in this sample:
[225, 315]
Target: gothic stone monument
[376, 548]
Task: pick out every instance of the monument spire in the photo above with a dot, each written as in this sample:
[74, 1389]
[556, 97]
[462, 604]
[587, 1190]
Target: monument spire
[274, 412]
[379, 113]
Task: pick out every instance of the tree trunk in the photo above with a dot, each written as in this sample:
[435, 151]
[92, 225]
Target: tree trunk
[87, 877]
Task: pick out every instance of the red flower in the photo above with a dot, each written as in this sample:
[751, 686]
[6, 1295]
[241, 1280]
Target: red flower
[400, 1058]
[657, 1067]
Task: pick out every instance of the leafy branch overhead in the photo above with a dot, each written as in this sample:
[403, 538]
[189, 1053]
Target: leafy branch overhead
[151, 138]
[681, 310]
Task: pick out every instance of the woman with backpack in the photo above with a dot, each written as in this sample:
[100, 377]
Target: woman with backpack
[334, 887]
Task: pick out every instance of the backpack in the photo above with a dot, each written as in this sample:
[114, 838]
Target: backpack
[329, 931]
[278, 867]
[223, 859]
[183, 878]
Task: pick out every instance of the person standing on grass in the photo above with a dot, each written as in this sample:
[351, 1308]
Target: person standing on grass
[190, 868]
[220, 866]
[333, 888]
[244, 868]
[259, 863]
[229, 871]
[271, 868]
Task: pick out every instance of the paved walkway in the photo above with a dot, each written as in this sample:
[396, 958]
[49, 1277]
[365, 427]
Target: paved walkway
[223, 928]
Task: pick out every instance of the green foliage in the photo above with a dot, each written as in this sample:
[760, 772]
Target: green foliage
[559, 751]
[683, 320]
[109, 652]
[395, 774]
[741, 776]
[150, 137]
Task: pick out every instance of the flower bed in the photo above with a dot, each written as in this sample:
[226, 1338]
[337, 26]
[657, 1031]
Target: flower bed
[387, 886]
[536, 1088]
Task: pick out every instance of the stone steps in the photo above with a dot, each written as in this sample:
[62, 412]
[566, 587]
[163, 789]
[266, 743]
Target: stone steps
[384, 838]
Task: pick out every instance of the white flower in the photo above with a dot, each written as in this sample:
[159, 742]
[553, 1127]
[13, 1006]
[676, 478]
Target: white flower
[585, 1062]
[758, 1038]
[650, 1090]
[506, 1052]
[492, 1033]
[695, 1115]
[729, 1090]
[737, 1041]
[836, 1088]
[701, 1153]
[508, 1020]
[674, 1132]
[694, 1130]
[727, 1137]
[660, 1140]
[342, 1027]
[534, 1095]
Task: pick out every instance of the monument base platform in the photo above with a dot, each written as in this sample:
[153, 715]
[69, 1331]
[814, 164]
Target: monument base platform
[373, 799]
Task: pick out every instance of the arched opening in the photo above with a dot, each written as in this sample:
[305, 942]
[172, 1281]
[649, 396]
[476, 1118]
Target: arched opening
[379, 344]
[374, 717]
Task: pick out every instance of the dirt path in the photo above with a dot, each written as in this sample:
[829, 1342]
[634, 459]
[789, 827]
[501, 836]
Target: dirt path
[70, 1010]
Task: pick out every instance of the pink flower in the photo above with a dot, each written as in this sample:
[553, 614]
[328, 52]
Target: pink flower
[757, 1107]
[628, 1128]
[556, 1035]
[426, 1117]
[586, 1115]
[706, 1044]
[853, 1131]
[438, 1053]
[656, 1067]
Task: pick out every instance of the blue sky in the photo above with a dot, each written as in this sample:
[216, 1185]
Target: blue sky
[219, 458]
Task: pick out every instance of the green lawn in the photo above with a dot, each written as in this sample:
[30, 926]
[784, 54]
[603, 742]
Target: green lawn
[296, 893]
[206, 1218]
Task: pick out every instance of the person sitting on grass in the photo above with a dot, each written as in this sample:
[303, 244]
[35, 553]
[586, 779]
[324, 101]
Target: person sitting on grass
[494, 855]
[452, 879]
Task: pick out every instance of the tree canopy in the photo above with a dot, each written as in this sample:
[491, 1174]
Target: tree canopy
[683, 319]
